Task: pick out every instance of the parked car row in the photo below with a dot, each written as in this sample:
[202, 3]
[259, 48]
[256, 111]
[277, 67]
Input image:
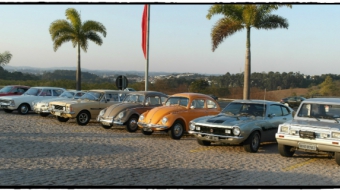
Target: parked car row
[314, 128]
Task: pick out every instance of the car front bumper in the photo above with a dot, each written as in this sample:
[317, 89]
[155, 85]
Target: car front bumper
[217, 138]
[321, 145]
[150, 126]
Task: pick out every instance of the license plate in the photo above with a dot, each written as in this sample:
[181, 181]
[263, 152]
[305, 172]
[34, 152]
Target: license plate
[307, 146]
[57, 113]
[211, 137]
[106, 123]
[147, 129]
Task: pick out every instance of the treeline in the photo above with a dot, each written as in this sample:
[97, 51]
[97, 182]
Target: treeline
[221, 86]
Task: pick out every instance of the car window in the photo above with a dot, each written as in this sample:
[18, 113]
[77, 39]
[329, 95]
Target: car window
[285, 110]
[316, 110]
[211, 104]
[78, 95]
[163, 99]
[153, 100]
[198, 103]
[235, 108]
[177, 101]
[275, 109]
[6, 89]
[57, 92]
[21, 90]
[45, 92]
[67, 94]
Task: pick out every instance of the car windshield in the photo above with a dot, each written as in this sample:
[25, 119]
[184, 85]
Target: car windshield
[244, 109]
[6, 89]
[33, 91]
[134, 98]
[181, 101]
[320, 111]
[92, 96]
[67, 94]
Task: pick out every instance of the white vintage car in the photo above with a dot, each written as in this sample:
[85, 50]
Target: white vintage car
[23, 103]
[41, 106]
[315, 128]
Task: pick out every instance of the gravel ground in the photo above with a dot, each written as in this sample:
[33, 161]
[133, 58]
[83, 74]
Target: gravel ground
[38, 151]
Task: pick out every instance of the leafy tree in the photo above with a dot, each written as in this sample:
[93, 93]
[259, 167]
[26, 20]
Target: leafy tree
[5, 58]
[238, 17]
[199, 85]
[78, 33]
[328, 87]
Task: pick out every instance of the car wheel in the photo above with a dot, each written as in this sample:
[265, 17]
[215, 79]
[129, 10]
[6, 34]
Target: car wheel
[83, 118]
[203, 143]
[131, 125]
[252, 144]
[8, 111]
[177, 130]
[106, 126]
[147, 132]
[44, 114]
[62, 119]
[337, 157]
[285, 150]
[23, 109]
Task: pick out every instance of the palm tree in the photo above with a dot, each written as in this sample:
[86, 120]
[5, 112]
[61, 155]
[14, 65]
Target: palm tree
[5, 58]
[237, 17]
[78, 33]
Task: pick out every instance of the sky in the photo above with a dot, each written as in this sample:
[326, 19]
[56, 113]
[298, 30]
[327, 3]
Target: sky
[180, 39]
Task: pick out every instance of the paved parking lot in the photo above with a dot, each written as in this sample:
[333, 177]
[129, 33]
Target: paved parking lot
[37, 151]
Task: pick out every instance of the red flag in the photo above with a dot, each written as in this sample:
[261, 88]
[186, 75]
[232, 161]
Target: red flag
[144, 29]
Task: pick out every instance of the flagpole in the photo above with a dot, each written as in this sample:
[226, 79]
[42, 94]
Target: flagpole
[147, 49]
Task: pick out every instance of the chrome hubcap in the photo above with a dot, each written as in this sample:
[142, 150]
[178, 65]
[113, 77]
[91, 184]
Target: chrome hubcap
[24, 109]
[255, 141]
[178, 129]
[83, 117]
[133, 124]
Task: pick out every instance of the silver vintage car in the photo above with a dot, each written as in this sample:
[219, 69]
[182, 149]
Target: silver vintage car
[315, 128]
[245, 122]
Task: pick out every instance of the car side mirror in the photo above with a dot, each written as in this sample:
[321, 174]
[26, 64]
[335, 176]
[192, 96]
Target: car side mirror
[147, 103]
[192, 107]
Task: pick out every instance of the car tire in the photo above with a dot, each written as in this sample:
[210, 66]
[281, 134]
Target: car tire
[8, 111]
[203, 143]
[252, 144]
[106, 127]
[337, 157]
[131, 124]
[147, 132]
[23, 109]
[83, 118]
[285, 151]
[176, 131]
[44, 114]
[62, 119]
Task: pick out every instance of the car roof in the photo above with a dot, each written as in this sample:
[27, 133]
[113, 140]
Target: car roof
[106, 90]
[323, 100]
[193, 95]
[256, 101]
[43, 87]
[146, 92]
[19, 86]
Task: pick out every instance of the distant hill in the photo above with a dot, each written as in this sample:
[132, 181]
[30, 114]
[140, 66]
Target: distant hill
[36, 70]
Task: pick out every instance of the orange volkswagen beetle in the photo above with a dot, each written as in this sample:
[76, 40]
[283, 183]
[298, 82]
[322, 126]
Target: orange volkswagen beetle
[178, 111]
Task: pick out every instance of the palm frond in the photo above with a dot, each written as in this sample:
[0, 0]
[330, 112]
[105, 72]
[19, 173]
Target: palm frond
[5, 58]
[94, 26]
[271, 22]
[60, 28]
[74, 17]
[222, 29]
[94, 37]
[228, 10]
[59, 41]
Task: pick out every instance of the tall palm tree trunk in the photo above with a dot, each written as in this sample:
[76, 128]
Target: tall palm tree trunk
[78, 77]
[246, 87]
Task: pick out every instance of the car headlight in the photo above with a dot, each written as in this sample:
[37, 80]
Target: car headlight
[192, 126]
[68, 108]
[101, 113]
[284, 129]
[164, 120]
[335, 135]
[11, 103]
[141, 117]
[236, 131]
[121, 115]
